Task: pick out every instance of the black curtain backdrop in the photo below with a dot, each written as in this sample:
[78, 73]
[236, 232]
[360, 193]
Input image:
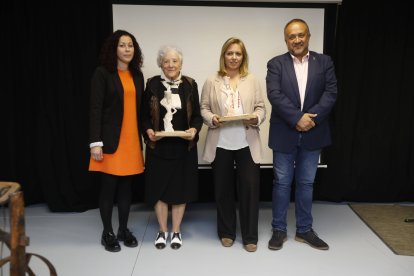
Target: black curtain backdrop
[51, 52]
[50, 56]
[372, 158]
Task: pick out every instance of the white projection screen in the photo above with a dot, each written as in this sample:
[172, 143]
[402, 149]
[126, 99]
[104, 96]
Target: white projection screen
[200, 31]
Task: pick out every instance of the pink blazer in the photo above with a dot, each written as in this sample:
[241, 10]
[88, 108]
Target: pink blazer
[211, 104]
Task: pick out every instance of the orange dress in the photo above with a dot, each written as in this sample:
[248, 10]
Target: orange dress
[128, 159]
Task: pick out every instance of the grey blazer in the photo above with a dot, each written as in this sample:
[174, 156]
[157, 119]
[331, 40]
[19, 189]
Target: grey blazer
[211, 104]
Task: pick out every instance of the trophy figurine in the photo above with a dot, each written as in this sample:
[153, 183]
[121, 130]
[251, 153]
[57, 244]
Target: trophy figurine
[166, 102]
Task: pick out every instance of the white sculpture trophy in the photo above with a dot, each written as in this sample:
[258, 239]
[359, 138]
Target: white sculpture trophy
[166, 102]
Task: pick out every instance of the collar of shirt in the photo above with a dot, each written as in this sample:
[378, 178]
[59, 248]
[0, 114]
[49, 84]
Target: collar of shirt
[304, 59]
[171, 83]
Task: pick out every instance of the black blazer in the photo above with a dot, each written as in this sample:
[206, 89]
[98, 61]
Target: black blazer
[152, 113]
[107, 107]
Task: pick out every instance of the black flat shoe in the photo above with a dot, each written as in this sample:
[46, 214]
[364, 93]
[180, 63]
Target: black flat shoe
[127, 237]
[110, 242]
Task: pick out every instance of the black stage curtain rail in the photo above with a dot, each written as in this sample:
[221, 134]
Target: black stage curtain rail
[51, 53]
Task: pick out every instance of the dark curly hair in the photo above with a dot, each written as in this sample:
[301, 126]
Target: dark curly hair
[108, 56]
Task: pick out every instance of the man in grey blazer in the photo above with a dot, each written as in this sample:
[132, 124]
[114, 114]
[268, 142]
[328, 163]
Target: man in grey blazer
[301, 87]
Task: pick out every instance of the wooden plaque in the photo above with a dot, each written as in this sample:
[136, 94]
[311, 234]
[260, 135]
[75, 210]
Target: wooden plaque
[237, 117]
[178, 133]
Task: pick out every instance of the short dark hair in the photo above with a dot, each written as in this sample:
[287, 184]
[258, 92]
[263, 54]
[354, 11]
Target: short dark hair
[295, 20]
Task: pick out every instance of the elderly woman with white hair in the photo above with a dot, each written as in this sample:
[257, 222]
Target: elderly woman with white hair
[170, 105]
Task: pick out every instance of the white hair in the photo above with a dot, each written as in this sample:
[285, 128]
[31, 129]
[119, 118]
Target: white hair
[165, 49]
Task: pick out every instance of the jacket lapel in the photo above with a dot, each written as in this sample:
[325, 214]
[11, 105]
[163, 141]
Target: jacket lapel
[245, 95]
[217, 88]
[292, 77]
[118, 85]
[311, 74]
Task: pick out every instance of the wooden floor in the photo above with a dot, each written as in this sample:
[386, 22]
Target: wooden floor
[71, 241]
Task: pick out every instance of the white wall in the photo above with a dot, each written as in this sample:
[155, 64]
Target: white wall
[200, 32]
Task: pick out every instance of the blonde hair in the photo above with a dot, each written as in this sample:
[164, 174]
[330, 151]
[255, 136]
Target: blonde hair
[243, 69]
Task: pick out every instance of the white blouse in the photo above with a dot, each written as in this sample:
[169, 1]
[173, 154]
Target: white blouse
[232, 134]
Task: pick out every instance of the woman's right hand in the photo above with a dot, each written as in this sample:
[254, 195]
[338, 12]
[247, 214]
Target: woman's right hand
[215, 120]
[151, 135]
[96, 153]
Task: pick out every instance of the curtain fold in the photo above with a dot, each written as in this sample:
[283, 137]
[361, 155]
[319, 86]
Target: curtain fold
[372, 155]
[51, 54]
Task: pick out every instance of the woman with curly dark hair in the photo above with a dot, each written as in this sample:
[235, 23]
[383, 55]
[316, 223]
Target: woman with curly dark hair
[115, 134]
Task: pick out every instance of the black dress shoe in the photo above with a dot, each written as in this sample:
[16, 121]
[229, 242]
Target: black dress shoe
[277, 240]
[127, 237]
[110, 242]
[312, 239]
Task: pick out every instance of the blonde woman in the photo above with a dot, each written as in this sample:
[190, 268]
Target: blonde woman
[229, 92]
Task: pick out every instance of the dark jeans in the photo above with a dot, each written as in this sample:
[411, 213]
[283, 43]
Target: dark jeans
[301, 164]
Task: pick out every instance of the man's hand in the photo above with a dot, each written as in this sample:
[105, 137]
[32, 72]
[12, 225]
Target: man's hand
[306, 122]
